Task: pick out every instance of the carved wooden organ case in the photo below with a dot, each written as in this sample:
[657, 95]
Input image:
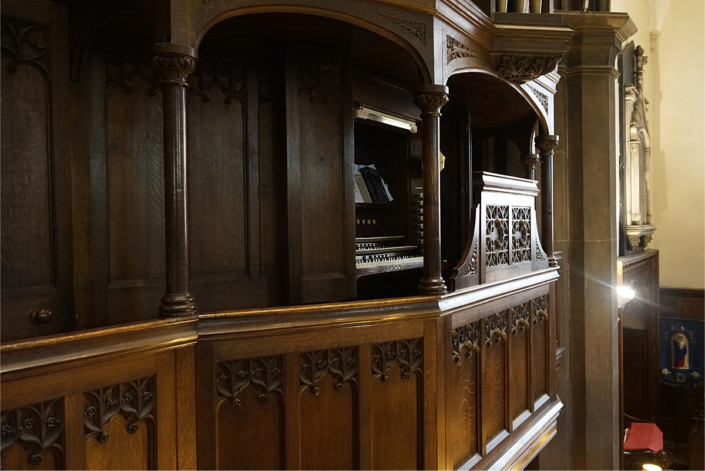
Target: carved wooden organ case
[188, 278]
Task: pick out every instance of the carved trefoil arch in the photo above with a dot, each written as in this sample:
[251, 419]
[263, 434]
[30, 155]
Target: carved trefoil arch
[638, 174]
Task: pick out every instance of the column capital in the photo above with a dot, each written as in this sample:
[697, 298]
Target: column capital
[546, 143]
[175, 62]
[431, 98]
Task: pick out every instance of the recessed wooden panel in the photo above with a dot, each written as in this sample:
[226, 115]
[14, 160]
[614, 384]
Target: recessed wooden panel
[250, 434]
[123, 450]
[249, 414]
[494, 390]
[135, 201]
[272, 186]
[217, 203]
[396, 405]
[120, 425]
[539, 339]
[463, 396]
[329, 426]
[319, 157]
[27, 250]
[518, 373]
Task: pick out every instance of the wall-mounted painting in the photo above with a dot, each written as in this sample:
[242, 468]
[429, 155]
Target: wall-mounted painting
[681, 352]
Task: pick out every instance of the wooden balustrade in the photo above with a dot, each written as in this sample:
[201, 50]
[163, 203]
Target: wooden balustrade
[460, 380]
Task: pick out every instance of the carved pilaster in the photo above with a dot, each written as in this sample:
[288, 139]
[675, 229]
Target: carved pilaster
[545, 145]
[431, 98]
[175, 63]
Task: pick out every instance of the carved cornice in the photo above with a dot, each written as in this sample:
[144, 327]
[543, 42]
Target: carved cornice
[39, 428]
[520, 69]
[416, 28]
[174, 62]
[457, 50]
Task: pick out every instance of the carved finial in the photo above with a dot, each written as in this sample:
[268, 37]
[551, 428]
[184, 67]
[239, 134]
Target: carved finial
[174, 62]
[641, 61]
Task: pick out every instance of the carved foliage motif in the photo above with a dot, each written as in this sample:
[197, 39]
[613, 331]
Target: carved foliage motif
[264, 374]
[226, 76]
[125, 65]
[320, 83]
[417, 28]
[543, 99]
[135, 400]
[466, 341]
[497, 235]
[521, 234]
[471, 268]
[431, 102]
[539, 309]
[38, 428]
[24, 42]
[520, 317]
[522, 69]
[174, 68]
[340, 363]
[407, 353]
[456, 50]
[496, 328]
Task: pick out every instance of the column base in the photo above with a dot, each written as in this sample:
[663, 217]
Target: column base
[177, 305]
[553, 262]
[432, 286]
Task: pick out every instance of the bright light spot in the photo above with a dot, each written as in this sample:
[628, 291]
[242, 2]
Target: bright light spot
[627, 294]
[650, 467]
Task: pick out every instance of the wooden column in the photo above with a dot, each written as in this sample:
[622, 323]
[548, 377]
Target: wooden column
[530, 161]
[431, 98]
[545, 145]
[175, 63]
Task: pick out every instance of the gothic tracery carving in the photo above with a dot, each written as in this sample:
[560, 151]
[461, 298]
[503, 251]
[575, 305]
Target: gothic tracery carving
[135, 400]
[340, 363]
[407, 353]
[264, 374]
[416, 28]
[39, 428]
[497, 235]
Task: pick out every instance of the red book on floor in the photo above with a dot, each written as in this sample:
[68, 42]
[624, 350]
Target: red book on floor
[643, 436]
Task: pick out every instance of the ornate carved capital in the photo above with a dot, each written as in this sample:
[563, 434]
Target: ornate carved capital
[546, 144]
[431, 98]
[521, 69]
[174, 62]
[530, 160]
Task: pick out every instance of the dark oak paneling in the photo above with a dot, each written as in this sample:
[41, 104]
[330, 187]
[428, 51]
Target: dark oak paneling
[319, 156]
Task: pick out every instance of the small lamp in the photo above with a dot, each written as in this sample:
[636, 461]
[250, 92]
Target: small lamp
[650, 467]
